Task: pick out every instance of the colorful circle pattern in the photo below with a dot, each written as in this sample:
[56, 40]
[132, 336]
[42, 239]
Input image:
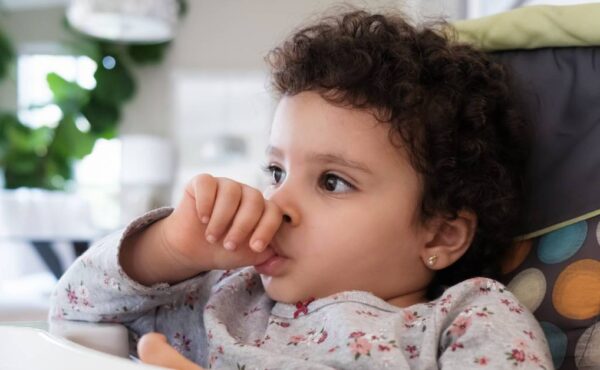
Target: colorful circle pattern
[557, 277]
[560, 245]
[577, 290]
[557, 341]
[529, 286]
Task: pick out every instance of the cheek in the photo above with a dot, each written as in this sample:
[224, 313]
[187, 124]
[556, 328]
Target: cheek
[364, 233]
[355, 234]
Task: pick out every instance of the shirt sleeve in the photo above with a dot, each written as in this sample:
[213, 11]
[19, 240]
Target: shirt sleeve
[96, 289]
[493, 331]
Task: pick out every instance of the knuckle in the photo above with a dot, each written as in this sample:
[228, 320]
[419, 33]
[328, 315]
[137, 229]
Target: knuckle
[243, 224]
[229, 187]
[199, 185]
[245, 227]
[274, 209]
[268, 226]
[234, 235]
[272, 225]
[253, 194]
[216, 228]
[203, 179]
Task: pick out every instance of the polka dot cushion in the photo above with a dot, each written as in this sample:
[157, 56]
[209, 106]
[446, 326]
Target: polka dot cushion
[557, 276]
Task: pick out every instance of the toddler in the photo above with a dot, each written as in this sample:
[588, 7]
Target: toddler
[395, 159]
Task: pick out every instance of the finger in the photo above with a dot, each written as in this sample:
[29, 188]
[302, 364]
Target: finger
[227, 201]
[267, 227]
[203, 189]
[248, 214]
[153, 349]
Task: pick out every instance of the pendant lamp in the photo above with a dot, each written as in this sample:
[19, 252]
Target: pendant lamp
[127, 21]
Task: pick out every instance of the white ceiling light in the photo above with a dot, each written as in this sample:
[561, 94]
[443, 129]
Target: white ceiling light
[131, 21]
[17, 5]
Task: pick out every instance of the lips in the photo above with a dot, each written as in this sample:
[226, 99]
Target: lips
[275, 247]
[275, 265]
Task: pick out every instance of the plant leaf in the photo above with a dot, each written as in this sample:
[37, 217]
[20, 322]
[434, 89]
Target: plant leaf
[103, 118]
[147, 53]
[7, 55]
[69, 141]
[113, 86]
[69, 96]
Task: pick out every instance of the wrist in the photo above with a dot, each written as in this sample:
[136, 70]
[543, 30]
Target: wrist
[146, 258]
[182, 265]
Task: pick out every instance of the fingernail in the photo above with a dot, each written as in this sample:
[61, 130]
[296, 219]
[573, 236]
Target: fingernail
[204, 219]
[258, 245]
[229, 245]
[211, 239]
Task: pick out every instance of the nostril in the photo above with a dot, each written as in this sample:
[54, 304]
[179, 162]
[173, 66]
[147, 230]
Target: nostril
[287, 218]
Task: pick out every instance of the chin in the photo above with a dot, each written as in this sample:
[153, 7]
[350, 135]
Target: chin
[278, 291]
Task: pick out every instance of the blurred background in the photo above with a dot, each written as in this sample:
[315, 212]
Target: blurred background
[108, 107]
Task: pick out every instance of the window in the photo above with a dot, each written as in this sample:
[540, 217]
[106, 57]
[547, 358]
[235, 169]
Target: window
[33, 93]
[97, 175]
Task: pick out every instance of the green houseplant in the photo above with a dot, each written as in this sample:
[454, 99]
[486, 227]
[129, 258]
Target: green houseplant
[44, 157]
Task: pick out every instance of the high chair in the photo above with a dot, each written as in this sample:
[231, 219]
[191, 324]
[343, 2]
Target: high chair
[554, 268]
[35, 345]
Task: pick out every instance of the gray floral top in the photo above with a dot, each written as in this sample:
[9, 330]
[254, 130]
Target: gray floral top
[224, 320]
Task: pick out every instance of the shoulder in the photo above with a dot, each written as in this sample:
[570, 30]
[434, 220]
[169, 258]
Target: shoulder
[484, 303]
[477, 287]
[479, 292]
[486, 321]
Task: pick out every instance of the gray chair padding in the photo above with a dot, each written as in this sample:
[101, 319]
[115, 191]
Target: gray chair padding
[561, 87]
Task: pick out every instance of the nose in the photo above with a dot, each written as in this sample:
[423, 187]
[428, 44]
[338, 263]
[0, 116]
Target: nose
[287, 200]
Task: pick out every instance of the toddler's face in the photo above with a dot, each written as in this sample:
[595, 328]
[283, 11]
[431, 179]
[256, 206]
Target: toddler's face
[352, 199]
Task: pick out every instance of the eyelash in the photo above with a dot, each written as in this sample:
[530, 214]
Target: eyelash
[271, 168]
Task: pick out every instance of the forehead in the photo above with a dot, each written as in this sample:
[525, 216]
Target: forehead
[306, 121]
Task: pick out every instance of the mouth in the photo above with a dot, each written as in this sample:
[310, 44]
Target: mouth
[275, 247]
[275, 265]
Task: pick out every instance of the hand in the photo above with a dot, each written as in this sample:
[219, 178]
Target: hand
[153, 349]
[221, 224]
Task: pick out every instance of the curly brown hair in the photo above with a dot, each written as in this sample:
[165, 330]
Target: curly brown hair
[452, 105]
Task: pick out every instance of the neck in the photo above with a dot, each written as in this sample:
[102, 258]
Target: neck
[408, 299]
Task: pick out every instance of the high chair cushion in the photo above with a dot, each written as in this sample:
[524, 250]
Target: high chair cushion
[555, 270]
[554, 55]
[557, 276]
[560, 90]
[533, 27]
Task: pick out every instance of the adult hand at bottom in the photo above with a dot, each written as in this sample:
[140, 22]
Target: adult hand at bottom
[153, 349]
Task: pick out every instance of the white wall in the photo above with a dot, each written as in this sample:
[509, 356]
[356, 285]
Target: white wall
[224, 35]
[231, 38]
[226, 38]
[27, 27]
[220, 36]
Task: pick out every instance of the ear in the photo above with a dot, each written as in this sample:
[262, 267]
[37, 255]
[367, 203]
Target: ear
[449, 239]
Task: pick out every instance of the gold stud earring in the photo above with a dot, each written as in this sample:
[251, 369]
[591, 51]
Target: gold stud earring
[432, 260]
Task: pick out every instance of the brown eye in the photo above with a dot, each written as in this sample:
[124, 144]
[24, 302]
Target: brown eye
[334, 184]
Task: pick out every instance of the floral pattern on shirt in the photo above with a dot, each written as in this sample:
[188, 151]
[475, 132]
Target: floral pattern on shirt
[236, 325]
[521, 352]
[361, 344]
[182, 343]
[190, 300]
[78, 296]
[312, 336]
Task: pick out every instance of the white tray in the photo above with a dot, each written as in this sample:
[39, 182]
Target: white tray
[31, 348]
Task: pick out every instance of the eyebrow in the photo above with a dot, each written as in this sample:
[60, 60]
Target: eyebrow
[324, 158]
